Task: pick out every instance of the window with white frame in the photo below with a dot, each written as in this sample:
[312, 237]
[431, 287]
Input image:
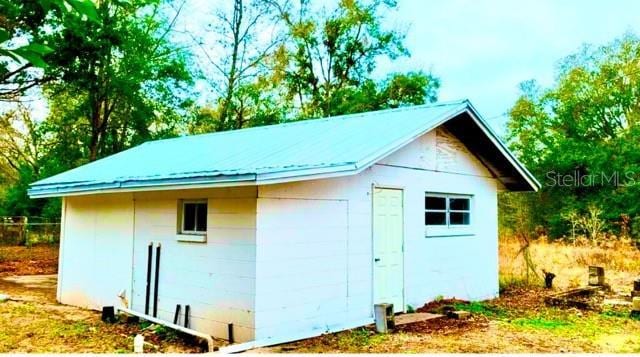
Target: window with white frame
[447, 210]
[193, 217]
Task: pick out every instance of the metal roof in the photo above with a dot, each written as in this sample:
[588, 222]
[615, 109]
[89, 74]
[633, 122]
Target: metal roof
[294, 151]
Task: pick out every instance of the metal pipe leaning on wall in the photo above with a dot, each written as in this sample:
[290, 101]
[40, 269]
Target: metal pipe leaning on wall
[148, 288]
[157, 278]
[176, 316]
[230, 333]
[209, 339]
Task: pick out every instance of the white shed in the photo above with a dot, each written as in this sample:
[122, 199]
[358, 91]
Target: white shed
[292, 230]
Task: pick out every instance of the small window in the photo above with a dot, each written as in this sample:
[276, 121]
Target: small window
[194, 217]
[447, 210]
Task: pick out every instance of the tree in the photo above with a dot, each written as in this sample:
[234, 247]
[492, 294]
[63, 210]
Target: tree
[398, 89]
[331, 54]
[239, 57]
[21, 50]
[121, 77]
[581, 136]
[20, 143]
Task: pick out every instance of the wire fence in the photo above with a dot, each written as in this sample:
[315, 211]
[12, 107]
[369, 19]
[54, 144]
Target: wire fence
[28, 231]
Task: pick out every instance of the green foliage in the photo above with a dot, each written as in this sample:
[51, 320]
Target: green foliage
[24, 22]
[360, 338]
[615, 313]
[114, 82]
[481, 308]
[541, 323]
[113, 78]
[326, 64]
[122, 80]
[581, 139]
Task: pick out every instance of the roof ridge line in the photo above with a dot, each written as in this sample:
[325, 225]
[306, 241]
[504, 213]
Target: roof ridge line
[315, 120]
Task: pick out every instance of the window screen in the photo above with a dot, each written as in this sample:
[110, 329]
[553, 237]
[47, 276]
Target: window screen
[194, 217]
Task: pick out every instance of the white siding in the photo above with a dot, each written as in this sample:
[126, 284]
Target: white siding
[464, 267]
[95, 250]
[216, 278]
[301, 265]
[104, 251]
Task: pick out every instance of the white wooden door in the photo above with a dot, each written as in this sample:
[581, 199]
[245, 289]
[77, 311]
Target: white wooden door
[388, 277]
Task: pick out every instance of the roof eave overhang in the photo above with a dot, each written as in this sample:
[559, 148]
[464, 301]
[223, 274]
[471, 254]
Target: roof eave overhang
[533, 183]
[213, 181]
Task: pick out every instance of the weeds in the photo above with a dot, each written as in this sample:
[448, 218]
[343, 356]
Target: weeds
[615, 313]
[541, 323]
[165, 333]
[510, 282]
[359, 338]
[481, 308]
[620, 258]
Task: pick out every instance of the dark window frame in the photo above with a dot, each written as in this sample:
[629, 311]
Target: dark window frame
[196, 224]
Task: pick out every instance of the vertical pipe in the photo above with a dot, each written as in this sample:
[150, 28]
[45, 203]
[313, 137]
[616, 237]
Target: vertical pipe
[230, 332]
[176, 315]
[155, 290]
[187, 310]
[148, 292]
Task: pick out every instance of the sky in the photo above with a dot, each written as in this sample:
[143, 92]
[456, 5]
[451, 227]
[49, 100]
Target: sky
[483, 49]
[480, 49]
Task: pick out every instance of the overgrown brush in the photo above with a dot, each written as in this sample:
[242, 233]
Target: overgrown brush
[570, 261]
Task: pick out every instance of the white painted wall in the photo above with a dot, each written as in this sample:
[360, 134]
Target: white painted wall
[301, 263]
[216, 278]
[464, 267]
[286, 259]
[95, 249]
[104, 250]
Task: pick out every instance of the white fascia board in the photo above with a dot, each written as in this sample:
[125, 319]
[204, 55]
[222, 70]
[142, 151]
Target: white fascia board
[252, 180]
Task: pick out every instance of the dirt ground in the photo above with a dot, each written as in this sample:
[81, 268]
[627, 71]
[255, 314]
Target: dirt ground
[32, 321]
[517, 322]
[21, 260]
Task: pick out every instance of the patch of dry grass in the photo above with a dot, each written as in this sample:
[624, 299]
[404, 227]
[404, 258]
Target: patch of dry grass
[570, 262]
[34, 322]
[35, 327]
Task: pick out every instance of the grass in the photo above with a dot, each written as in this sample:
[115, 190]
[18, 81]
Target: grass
[517, 322]
[482, 308]
[36, 323]
[541, 323]
[36, 327]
